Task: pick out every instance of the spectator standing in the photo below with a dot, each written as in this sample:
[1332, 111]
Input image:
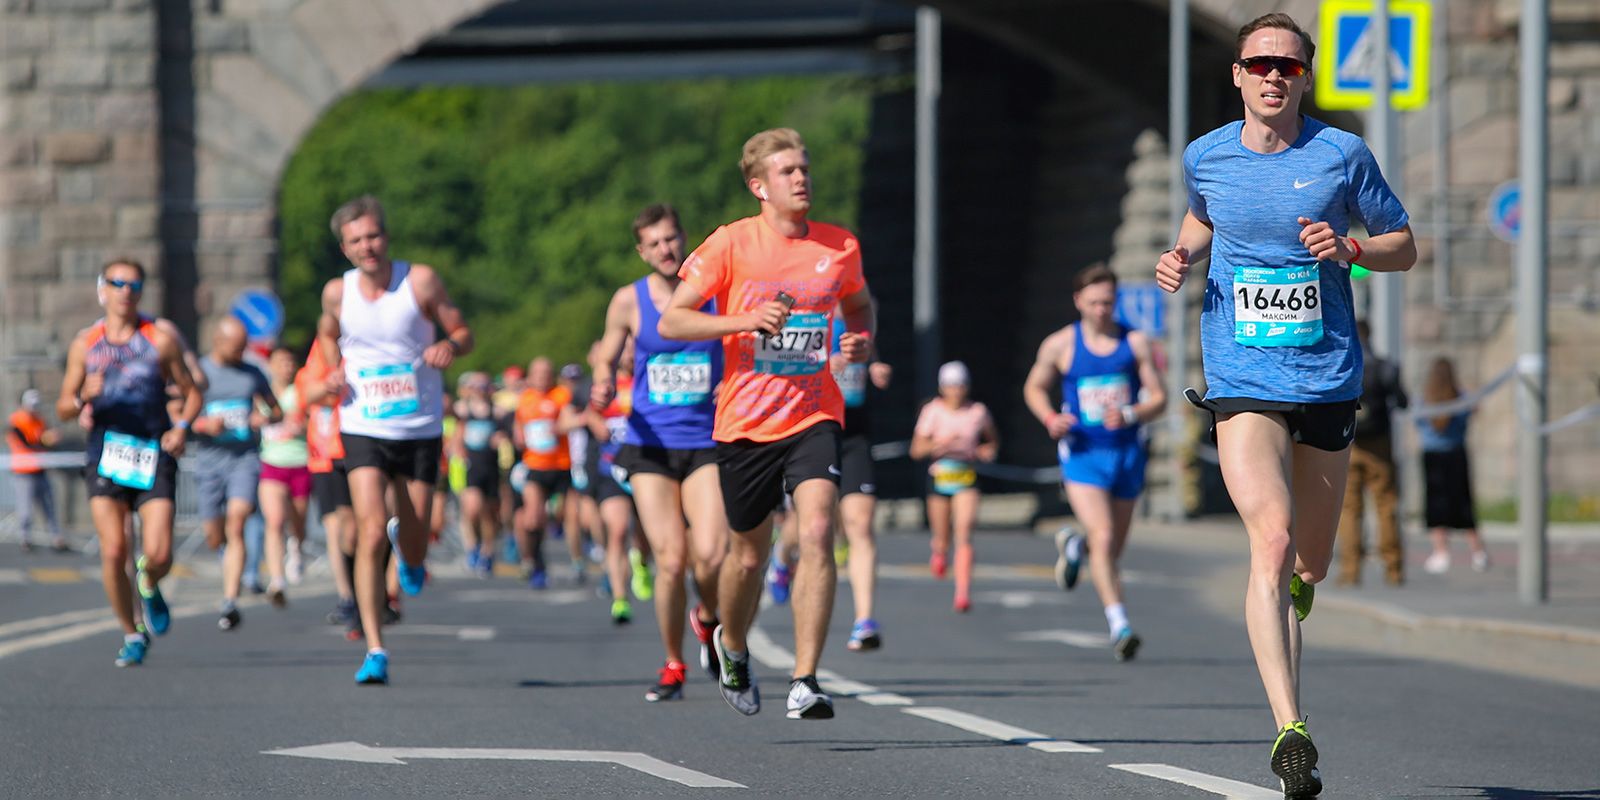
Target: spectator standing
[27, 437]
[1372, 470]
[1446, 472]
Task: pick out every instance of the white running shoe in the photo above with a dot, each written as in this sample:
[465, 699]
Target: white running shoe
[1480, 561]
[808, 701]
[1437, 563]
[293, 564]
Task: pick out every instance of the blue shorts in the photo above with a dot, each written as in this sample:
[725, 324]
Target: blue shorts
[1119, 469]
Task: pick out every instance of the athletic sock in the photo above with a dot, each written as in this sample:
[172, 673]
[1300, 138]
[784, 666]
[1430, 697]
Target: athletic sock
[132, 637]
[228, 605]
[1116, 617]
[377, 651]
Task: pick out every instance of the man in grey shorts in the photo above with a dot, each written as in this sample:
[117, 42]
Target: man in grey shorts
[227, 468]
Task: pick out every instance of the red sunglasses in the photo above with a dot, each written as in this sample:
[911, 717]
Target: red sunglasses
[1264, 65]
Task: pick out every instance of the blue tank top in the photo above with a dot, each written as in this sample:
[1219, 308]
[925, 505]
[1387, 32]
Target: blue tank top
[673, 402]
[1096, 386]
[134, 399]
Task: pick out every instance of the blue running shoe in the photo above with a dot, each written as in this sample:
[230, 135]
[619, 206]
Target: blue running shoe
[485, 566]
[473, 560]
[537, 580]
[412, 577]
[1125, 645]
[132, 653]
[375, 669]
[778, 582]
[864, 636]
[155, 606]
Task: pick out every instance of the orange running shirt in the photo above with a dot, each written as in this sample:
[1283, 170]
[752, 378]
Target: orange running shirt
[775, 387]
[537, 412]
[25, 438]
[323, 445]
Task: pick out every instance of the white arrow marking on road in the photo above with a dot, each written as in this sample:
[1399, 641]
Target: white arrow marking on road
[1231, 789]
[984, 726]
[1084, 639]
[355, 751]
[769, 653]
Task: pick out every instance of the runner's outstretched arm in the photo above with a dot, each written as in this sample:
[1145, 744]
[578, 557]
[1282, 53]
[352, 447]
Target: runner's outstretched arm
[684, 320]
[328, 324]
[177, 373]
[1041, 377]
[619, 326]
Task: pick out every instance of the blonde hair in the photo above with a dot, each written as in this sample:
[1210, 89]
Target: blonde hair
[766, 143]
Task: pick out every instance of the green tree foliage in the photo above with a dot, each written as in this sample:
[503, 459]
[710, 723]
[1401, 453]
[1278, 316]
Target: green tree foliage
[523, 197]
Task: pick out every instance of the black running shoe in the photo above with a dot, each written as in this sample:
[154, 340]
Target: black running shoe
[229, 620]
[670, 684]
[807, 700]
[1294, 760]
[737, 684]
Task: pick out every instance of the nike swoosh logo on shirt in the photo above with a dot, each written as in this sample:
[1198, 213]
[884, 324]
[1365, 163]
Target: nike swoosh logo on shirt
[1299, 185]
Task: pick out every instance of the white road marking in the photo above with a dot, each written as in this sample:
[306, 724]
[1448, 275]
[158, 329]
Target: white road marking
[561, 597]
[1234, 790]
[1017, 599]
[984, 726]
[72, 633]
[1084, 639]
[465, 633]
[355, 751]
[12, 576]
[64, 618]
[763, 649]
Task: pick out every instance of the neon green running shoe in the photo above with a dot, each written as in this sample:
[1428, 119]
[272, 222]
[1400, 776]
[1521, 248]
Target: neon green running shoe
[621, 612]
[644, 581]
[1294, 761]
[1302, 595]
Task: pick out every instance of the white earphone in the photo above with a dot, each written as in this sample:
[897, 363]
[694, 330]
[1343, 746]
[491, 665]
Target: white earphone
[764, 194]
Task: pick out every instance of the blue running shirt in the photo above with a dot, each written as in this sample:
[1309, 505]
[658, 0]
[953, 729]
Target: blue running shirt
[1294, 336]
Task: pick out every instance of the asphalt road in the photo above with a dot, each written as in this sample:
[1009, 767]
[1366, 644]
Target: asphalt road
[500, 691]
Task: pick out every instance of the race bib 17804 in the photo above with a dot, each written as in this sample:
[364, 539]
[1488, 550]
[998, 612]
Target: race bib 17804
[679, 379]
[801, 348]
[1277, 307]
[387, 392]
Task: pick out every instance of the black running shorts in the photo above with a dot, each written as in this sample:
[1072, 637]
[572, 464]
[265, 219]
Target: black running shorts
[756, 475]
[1325, 426]
[675, 464]
[411, 459]
[331, 489]
[855, 466]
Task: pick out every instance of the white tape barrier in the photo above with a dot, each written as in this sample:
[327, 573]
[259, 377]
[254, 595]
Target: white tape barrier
[1467, 401]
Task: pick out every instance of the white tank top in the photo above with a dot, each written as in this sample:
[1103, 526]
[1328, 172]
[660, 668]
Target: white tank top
[393, 395]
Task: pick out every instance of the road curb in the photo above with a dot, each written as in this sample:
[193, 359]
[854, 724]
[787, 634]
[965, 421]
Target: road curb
[1392, 614]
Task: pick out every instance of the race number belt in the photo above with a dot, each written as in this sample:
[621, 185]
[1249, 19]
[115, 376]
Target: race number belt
[388, 391]
[679, 379]
[477, 433]
[1098, 394]
[800, 348]
[540, 436]
[235, 416]
[129, 461]
[951, 475]
[852, 382]
[1277, 307]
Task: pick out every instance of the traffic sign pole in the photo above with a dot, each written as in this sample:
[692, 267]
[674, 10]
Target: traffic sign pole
[1533, 584]
[1178, 414]
[1388, 292]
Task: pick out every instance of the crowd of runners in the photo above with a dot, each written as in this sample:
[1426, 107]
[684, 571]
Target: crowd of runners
[716, 440]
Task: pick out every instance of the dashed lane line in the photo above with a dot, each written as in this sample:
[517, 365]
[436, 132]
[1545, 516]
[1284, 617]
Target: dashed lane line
[1231, 789]
[983, 726]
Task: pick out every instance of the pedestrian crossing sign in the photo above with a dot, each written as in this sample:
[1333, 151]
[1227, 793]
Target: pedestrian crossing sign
[1346, 52]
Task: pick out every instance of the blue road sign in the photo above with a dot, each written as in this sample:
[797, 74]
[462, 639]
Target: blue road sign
[1346, 59]
[260, 311]
[1142, 306]
[1505, 211]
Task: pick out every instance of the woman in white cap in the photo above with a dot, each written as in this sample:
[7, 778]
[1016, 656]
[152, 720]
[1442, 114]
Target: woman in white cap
[954, 432]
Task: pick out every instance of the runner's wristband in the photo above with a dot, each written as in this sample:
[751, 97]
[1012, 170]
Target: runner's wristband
[1130, 416]
[1356, 246]
[182, 425]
